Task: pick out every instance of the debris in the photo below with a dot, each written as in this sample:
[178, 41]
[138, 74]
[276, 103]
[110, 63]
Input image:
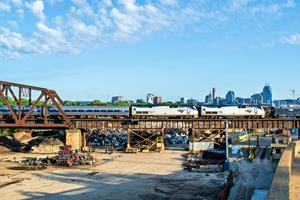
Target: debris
[45, 145]
[176, 138]
[66, 157]
[115, 137]
[205, 161]
[7, 142]
[22, 136]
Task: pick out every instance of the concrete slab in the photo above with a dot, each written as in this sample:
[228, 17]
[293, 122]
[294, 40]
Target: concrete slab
[117, 176]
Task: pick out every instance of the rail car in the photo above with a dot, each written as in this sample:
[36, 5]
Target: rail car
[100, 111]
[164, 112]
[232, 112]
[4, 110]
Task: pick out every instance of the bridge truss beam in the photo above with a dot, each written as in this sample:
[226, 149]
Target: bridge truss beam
[17, 96]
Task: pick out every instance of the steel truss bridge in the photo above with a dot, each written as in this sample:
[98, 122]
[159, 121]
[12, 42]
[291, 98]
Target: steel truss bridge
[24, 95]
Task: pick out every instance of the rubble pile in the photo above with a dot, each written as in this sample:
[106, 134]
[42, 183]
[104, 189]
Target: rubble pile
[45, 145]
[7, 144]
[116, 137]
[22, 136]
[177, 138]
[66, 157]
[201, 162]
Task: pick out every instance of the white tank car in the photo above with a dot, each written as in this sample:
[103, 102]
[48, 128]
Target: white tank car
[232, 111]
[164, 111]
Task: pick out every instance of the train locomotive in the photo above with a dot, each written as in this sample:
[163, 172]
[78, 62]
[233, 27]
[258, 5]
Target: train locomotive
[232, 112]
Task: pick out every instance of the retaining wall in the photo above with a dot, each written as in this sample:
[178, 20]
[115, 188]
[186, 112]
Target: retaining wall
[279, 189]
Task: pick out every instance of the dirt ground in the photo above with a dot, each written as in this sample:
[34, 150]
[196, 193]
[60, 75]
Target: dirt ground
[115, 176]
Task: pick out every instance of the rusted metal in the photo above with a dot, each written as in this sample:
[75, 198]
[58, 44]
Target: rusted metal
[21, 118]
[44, 96]
[186, 124]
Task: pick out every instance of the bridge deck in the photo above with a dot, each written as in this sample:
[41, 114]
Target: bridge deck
[145, 124]
[155, 124]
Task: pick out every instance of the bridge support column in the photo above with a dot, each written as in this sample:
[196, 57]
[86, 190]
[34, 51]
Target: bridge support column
[191, 133]
[128, 138]
[74, 139]
[162, 148]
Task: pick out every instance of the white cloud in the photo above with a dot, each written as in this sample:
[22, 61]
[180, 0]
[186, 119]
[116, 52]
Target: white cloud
[258, 7]
[13, 23]
[84, 7]
[4, 6]
[130, 5]
[20, 12]
[169, 2]
[49, 31]
[12, 44]
[292, 39]
[53, 40]
[92, 23]
[37, 8]
[17, 2]
[53, 2]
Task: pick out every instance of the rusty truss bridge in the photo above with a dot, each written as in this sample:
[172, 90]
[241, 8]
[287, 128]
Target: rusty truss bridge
[15, 97]
[33, 97]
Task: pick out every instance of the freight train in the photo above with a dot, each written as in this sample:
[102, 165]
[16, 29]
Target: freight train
[145, 112]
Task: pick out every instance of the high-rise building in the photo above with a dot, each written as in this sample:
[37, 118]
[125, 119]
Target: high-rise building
[183, 100]
[240, 100]
[150, 98]
[157, 100]
[217, 100]
[192, 102]
[256, 99]
[230, 98]
[208, 99]
[117, 99]
[247, 101]
[213, 94]
[267, 94]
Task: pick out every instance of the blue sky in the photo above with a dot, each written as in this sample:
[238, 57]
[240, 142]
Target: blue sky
[95, 49]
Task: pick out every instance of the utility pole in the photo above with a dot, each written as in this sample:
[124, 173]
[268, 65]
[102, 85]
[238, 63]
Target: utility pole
[226, 164]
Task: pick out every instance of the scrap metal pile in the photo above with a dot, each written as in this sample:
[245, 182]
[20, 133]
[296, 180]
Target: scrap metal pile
[66, 157]
[115, 137]
[176, 137]
[205, 161]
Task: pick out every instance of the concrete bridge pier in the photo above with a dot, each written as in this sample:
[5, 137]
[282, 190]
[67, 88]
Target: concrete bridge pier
[75, 139]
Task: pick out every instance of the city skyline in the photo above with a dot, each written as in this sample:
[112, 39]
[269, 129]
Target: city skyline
[88, 49]
[258, 98]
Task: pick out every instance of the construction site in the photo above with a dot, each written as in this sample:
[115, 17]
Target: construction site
[57, 165]
[48, 154]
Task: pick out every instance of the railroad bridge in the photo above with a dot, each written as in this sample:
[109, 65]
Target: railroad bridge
[26, 95]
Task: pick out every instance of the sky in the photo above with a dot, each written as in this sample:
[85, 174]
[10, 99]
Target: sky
[96, 49]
